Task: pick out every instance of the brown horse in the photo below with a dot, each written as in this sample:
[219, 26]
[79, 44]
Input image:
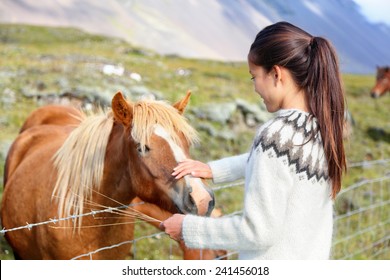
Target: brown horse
[382, 82]
[69, 116]
[105, 161]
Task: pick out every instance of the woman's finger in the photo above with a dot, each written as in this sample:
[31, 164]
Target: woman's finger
[192, 167]
[184, 167]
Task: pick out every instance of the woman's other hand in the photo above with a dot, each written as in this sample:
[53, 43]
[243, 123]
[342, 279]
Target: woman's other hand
[194, 168]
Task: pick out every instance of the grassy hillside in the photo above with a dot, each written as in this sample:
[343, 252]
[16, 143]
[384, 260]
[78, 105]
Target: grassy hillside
[44, 61]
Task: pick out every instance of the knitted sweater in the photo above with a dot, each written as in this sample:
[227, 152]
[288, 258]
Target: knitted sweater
[288, 210]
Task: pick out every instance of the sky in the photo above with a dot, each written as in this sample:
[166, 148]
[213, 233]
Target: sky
[375, 10]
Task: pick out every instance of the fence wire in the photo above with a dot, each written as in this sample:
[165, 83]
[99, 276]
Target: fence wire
[362, 220]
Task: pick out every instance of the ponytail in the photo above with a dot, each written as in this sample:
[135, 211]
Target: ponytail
[326, 101]
[313, 64]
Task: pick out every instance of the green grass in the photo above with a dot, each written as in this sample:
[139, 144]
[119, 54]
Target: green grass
[51, 60]
[358, 230]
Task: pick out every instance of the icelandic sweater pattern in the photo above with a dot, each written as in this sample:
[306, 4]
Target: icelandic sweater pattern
[287, 205]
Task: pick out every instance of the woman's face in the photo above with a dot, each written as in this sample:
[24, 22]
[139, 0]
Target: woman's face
[266, 86]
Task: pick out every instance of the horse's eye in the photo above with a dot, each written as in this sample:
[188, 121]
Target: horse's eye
[145, 149]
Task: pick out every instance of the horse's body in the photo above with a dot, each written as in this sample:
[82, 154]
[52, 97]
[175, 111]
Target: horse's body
[50, 117]
[57, 169]
[55, 115]
[382, 82]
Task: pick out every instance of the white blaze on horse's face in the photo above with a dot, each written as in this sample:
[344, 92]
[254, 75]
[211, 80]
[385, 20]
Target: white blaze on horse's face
[177, 151]
[197, 192]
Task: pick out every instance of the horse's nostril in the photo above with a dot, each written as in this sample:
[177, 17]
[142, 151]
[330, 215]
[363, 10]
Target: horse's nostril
[191, 200]
[211, 207]
[195, 197]
[189, 203]
[211, 203]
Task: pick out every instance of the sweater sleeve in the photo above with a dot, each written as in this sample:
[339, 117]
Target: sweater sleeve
[229, 169]
[267, 186]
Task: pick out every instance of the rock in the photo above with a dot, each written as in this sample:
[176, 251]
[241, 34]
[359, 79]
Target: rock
[142, 92]
[208, 128]
[226, 135]
[135, 76]
[183, 72]
[110, 69]
[220, 113]
[253, 114]
[8, 98]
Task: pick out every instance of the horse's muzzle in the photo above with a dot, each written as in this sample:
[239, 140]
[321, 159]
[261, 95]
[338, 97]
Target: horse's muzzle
[374, 95]
[197, 198]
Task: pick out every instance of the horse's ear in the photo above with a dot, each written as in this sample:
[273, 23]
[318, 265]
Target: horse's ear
[123, 112]
[181, 105]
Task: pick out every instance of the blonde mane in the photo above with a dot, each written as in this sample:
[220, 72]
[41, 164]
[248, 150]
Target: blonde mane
[80, 164]
[80, 160]
[148, 113]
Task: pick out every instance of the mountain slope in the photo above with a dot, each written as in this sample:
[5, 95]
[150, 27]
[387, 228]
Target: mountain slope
[216, 29]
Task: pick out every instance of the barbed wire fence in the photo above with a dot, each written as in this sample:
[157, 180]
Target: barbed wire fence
[362, 220]
[362, 223]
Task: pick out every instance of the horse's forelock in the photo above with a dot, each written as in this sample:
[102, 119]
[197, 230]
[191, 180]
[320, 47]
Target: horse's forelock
[147, 114]
[382, 71]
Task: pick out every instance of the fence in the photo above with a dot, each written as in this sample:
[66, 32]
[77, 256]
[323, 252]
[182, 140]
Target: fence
[362, 222]
[362, 226]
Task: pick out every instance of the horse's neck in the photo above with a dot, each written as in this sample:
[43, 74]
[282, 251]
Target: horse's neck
[116, 182]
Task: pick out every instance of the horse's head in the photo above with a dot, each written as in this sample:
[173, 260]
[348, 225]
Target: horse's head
[158, 137]
[382, 82]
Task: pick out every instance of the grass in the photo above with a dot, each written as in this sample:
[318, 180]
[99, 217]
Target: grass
[363, 221]
[53, 60]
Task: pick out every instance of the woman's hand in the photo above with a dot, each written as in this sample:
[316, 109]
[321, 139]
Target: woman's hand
[173, 226]
[194, 168]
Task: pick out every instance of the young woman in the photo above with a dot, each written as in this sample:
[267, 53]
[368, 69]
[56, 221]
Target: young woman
[295, 166]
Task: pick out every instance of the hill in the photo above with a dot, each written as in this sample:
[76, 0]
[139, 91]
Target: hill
[221, 30]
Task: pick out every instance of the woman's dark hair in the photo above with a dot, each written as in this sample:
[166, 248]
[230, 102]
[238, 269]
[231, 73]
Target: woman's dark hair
[313, 63]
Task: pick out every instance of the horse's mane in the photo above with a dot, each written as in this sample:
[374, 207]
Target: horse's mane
[80, 164]
[80, 160]
[148, 113]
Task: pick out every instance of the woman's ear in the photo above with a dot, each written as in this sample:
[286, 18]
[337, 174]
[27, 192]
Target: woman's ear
[277, 73]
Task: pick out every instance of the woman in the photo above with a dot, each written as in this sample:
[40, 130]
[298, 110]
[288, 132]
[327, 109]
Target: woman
[295, 166]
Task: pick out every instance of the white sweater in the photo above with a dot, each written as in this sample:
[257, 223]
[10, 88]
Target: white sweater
[287, 206]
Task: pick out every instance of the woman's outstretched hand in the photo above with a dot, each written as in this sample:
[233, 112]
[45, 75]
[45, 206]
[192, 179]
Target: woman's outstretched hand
[173, 226]
[194, 168]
